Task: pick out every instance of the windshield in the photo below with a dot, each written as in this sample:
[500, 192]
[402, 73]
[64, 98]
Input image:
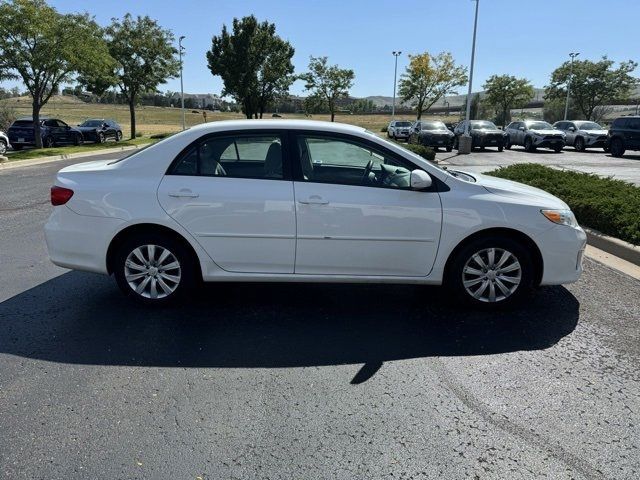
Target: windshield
[433, 126]
[589, 126]
[403, 124]
[484, 125]
[92, 123]
[539, 126]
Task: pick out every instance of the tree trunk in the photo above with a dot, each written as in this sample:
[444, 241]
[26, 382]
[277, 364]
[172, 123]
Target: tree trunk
[35, 113]
[132, 115]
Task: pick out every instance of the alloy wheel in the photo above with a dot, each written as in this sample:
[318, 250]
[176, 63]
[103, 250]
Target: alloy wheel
[3, 147]
[492, 275]
[152, 271]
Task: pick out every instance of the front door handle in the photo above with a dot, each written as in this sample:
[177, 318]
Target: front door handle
[314, 200]
[184, 193]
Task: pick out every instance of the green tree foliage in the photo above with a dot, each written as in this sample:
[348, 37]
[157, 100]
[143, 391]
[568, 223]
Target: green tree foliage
[593, 84]
[254, 63]
[429, 78]
[504, 92]
[327, 83]
[45, 48]
[362, 105]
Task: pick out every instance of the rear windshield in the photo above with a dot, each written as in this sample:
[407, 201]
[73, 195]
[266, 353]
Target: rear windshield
[22, 123]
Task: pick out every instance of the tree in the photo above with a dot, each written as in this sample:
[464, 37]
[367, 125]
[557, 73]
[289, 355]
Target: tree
[328, 83]
[45, 48]
[143, 58]
[254, 63]
[593, 84]
[504, 92]
[429, 78]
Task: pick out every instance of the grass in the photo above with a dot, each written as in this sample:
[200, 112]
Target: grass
[47, 152]
[604, 204]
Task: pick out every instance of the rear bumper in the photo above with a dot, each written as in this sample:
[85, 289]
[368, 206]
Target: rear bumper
[79, 242]
[562, 250]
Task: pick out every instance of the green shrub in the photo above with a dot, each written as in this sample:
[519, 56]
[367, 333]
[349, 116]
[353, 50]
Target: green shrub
[384, 129]
[427, 153]
[604, 204]
[159, 135]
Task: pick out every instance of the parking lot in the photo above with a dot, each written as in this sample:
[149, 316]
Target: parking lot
[311, 381]
[591, 161]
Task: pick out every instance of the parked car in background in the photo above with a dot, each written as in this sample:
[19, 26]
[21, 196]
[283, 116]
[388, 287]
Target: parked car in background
[399, 129]
[533, 134]
[100, 130]
[582, 134]
[624, 134]
[52, 130]
[431, 134]
[4, 143]
[483, 134]
[305, 201]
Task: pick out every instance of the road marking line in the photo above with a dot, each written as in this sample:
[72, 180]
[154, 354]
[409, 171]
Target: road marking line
[613, 262]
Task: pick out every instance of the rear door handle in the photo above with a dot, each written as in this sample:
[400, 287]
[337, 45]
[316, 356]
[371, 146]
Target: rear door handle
[184, 193]
[314, 200]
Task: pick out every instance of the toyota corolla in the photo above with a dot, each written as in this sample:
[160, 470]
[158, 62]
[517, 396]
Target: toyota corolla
[303, 201]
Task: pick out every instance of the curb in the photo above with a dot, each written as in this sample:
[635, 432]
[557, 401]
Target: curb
[55, 158]
[613, 246]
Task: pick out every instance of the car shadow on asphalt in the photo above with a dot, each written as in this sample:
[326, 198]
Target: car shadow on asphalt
[81, 318]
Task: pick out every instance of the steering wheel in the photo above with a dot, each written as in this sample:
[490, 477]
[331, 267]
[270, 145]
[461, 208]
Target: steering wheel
[367, 171]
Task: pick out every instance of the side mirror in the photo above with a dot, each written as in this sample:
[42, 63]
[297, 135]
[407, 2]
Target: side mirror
[420, 180]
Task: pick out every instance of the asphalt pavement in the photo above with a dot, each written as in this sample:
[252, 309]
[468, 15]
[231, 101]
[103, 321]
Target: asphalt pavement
[306, 381]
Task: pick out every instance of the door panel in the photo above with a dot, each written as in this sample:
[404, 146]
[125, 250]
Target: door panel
[245, 225]
[354, 230]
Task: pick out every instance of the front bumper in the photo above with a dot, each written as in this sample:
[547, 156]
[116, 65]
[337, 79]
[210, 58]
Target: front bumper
[437, 141]
[401, 134]
[488, 140]
[548, 142]
[562, 249]
[595, 142]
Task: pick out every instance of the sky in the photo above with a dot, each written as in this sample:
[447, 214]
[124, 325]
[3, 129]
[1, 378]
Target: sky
[517, 37]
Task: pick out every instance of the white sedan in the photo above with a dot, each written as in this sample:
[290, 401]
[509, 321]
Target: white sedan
[303, 201]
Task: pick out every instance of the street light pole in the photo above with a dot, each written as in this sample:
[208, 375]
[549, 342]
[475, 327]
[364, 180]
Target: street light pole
[395, 74]
[566, 105]
[465, 145]
[180, 49]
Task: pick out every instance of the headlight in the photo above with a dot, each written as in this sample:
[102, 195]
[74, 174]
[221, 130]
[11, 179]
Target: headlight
[561, 217]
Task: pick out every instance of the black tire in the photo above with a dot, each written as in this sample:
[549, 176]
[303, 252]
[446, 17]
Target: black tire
[500, 148]
[186, 272]
[118, 136]
[616, 147]
[558, 148]
[528, 145]
[77, 140]
[449, 148]
[455, 276]
[48, 142]
[17, 147]
[508, 144]
[101, 138]
[455, 143]
[578, 144]
[3, 147]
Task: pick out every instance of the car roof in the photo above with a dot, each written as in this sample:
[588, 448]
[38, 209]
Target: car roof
[42, 117]
[224, 125]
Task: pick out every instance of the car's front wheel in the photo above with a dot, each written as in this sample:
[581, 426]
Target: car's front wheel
[491, 272]
[3, 147]
[154, 269]
[528, 145]
[578, 144]
[118, 136]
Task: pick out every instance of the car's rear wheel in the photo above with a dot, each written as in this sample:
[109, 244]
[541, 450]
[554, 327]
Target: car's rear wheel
[616, 147]
[558, 148]
[491, 272]
[17, 147]
[578, 144]
[48, 142]
[118, 136]
[77, 140]
[3, 147]
[500, 148]
[508, 144]
[456, 143]
[449, 148]
[154, 269]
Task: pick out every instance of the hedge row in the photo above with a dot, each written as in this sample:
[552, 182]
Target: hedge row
[427, 153]
[604, 204]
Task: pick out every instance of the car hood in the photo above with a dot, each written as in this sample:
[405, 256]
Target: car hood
[595, 132]
[87, 129]
[484, 132]
[508, 188]
[439, 132]
[546, 132]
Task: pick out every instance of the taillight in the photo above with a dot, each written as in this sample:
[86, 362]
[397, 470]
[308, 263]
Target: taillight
[60, 195]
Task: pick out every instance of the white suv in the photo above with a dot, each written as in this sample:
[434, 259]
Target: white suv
[303, 201]
[399, 129]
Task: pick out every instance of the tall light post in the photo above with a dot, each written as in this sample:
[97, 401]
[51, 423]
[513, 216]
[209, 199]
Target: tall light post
[180, 50]
[566, 104]
[395, 74]
[464, 144]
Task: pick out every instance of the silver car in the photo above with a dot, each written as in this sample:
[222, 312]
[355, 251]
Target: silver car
[533, 134]
[4, 143]
[398, 129]
[583, 134]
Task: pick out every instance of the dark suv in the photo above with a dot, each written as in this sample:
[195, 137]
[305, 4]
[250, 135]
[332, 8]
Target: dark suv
[53, 132]
[624, 134]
